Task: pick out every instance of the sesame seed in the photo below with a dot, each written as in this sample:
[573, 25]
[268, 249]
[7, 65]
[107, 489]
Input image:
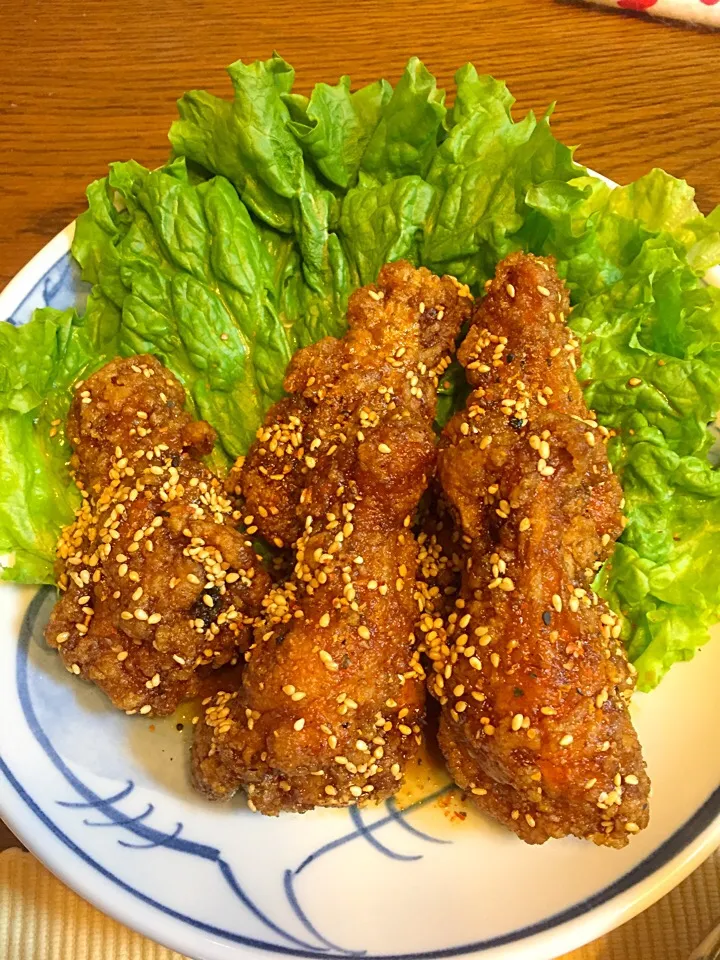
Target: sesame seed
[510, 290]
[356, 791]
[384, 448]
[155, 618]
[591, 783]
[330, 790]
[634, 382]
[141, 615]
[566, 740]
[543, 290]
[632, 779]
[146, 709]
[557, 602]
[524, 524]
[298, 695]
[530, 820]
[517, 721]
[62, 637]
[632, 827]
[299, 724]
[75, 669]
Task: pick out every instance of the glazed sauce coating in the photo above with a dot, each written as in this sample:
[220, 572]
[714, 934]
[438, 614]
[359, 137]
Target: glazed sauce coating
[332, 699]
[529, 666]
[158, 586]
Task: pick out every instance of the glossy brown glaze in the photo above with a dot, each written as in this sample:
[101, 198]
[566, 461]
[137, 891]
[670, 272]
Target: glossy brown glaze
[529, 668]
[332, 696]
[157, 584]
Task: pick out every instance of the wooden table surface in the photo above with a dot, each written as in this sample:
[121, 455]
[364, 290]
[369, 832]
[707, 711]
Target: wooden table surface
[90, 81]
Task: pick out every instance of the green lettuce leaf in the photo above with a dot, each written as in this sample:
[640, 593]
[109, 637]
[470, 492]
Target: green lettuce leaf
[187, 278]
[405, 140]
[41, 361]
[482, 173]
[383, 222]
[334, 126]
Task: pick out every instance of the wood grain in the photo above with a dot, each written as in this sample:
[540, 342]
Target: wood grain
[84, 82]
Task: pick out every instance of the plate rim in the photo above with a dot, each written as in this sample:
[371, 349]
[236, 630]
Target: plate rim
[561, 937]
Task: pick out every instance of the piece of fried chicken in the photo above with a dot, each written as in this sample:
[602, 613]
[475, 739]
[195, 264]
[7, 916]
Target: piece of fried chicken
[158, 586]
[332, 697]
[530, 671]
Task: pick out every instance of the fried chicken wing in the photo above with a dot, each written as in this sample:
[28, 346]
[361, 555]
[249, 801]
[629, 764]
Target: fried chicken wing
[332, 698]
[157, 585]
[529, 667]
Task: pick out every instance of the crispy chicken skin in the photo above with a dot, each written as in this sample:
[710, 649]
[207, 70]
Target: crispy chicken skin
[529, 669]
[332, 698]
[157, 585]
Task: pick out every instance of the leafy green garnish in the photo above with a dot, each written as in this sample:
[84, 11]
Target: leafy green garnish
[274, 206]
[41, 362]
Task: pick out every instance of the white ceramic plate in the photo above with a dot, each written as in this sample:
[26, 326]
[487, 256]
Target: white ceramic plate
[105, 802]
